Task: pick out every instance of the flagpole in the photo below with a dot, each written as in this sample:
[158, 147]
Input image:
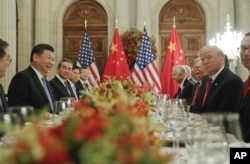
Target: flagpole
[115, 22]
[174, 21]
[85, 24]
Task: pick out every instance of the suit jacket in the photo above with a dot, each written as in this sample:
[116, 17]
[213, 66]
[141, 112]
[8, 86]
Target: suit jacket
[26, 89]
[222, 94]
[59, 89]
[80, 87]
[195, 108]
[243, 108]
[186, 91]
[3, 108]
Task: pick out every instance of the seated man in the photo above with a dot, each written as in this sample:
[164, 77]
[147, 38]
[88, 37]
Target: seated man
[185, 86]
[60, 83]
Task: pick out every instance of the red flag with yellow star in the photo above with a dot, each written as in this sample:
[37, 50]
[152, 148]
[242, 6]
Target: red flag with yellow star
[174, 56]
[116, 66]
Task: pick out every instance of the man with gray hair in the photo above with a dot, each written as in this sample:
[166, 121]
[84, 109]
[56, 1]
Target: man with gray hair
[185, 86]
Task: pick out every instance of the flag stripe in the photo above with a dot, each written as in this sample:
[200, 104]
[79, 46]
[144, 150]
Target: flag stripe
[86, 58]
[145, 70]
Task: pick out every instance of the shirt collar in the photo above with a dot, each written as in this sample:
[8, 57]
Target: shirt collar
[61, 79]
[213, 77]
[39, 75]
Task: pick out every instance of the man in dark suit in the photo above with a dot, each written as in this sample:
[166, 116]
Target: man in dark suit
[5, 61]
[243, 103]
[30, 87]
[221, 86]
[74, 77]
[185, 86]
[60, 83]
[83, 83]
[198, 73]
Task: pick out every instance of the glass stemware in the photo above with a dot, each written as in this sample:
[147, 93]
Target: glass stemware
[162, 107]
[10, 124]
[177, 120]
[24, 112]
[69, 103]
[224, 131]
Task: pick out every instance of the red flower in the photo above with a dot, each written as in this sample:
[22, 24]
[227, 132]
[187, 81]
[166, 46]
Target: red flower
[55, 151]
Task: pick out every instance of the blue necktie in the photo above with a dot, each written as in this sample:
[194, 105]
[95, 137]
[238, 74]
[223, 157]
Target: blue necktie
[45, 87]
[74, 91]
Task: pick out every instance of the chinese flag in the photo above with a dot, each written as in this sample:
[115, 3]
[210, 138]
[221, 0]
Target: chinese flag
[174, 56]
[116, 66]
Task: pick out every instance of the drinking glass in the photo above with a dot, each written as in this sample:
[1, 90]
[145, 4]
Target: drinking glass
[161, 111]
[218, 139]
[24, 112]
[59, 108]
[195, 138]
[10, 124]
[177, 120]
[69, 103]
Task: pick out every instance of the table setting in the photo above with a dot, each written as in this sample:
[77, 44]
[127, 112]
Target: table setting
[195, 138]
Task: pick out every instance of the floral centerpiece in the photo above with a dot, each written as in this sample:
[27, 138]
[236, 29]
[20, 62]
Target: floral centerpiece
[110, 126]
[131, 40]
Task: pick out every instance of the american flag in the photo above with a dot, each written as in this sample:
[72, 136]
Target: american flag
[86, 58]
[145, 70]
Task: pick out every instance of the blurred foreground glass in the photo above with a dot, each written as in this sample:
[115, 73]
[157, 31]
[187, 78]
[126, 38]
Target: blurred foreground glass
[224, 129]
[161, 111]
[177, 121]
[24, 112]
[10, 124]
[69, 102]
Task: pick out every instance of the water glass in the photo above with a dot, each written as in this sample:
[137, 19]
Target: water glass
[24, 112]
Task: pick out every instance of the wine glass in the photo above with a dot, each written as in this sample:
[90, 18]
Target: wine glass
[69, 103]
[162, 106]
[195, 138]
[24, 112]
[177, 120]
[10, 124]
[59, 108]
[218, 138]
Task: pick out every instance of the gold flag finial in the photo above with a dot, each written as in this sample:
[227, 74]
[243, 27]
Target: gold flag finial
[174, 21]
[85, 24]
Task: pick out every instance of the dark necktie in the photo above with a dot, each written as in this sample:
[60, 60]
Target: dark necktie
[86, 86]
[196, 91]
[67, 88]
[1, 106]
[246, 86]
[1, 100]
[45, 87]
[179, 93]
[208, 85]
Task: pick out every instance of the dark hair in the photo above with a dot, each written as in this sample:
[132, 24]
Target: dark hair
[3, 45]
[39, 49]
[75, 67]
[67, 60]
[247, 34]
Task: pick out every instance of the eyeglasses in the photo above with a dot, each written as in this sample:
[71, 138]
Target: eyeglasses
[8, 58]
[243, 49]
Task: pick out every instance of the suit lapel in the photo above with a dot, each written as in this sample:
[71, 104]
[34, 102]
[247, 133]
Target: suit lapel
[3, 99]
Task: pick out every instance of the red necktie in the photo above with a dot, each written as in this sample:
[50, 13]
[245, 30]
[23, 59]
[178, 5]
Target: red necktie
[246, 86]
[208, 85]
[197, 88]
